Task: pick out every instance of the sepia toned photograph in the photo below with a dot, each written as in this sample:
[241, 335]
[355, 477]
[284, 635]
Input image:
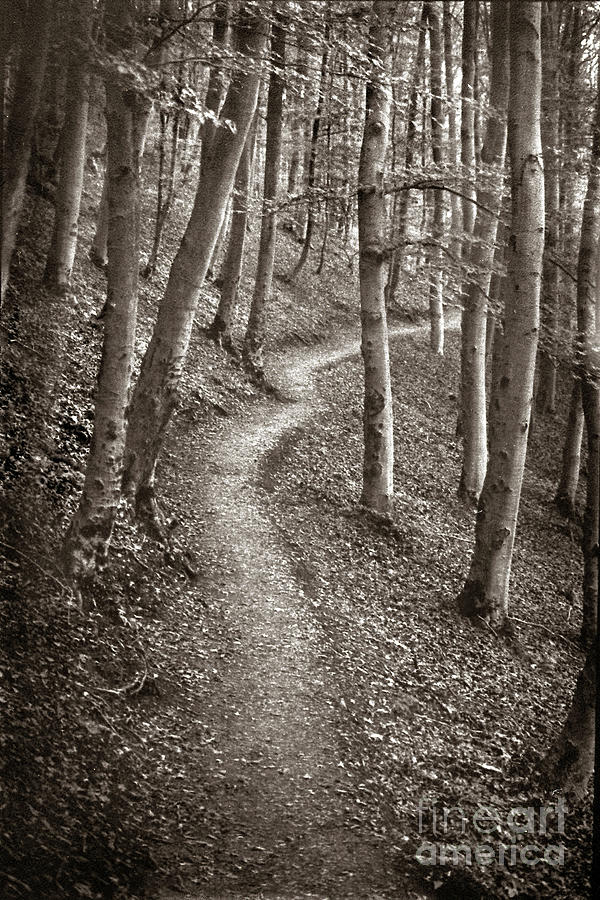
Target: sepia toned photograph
[300, 450]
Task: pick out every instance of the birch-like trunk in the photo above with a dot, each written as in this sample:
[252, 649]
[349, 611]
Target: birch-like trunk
[220, 330]
[481, 258]
[401, 211]
[156, 392]
[311, 165]
[63, 243]
[468, 166]
[436, 308]
[546, 389]
[378, 464]
[19, 130]
[485, 593]
[254, 339]
[587, 334]
[455, 210]
[88, 538]
[566, 491]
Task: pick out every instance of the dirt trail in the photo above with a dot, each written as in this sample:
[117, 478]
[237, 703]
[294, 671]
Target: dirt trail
[294, 826]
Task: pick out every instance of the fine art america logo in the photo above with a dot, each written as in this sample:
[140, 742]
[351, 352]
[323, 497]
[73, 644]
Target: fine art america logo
[513, 835]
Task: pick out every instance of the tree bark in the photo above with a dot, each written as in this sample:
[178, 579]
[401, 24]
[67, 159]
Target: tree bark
[546, 390]
[399, 235]
[587, 328]
[19, 130]
[312, 160]
[468, 166]
[63, 243]
[571, 455]
[156, 392]
[436, 307]
[474, 320]
[254, 339]
[88, 538]
[220, 330]
[485, 593]
[569, 763]
[456, 217]
[378, 464]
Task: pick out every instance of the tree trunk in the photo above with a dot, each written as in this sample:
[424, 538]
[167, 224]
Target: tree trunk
[546, 390]
[155, 395]
[254, 339]
[569, 763]
[19, 130]
[312, 161]
[88, 537]
[168, 13]
[468, 167]
[587, 328]
[220, 330]
[571, 456]
[474, 320]
[399, 235]
[436, 308]
[378, 465]
[63, 244]
[485, 593]
[456, 217]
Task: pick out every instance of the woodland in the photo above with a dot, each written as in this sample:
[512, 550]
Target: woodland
[300, 449]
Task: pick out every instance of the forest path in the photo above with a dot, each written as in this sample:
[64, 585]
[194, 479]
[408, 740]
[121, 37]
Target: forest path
[294, 828]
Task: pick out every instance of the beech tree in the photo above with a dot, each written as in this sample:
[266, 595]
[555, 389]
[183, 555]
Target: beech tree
[587, 328]
[88, 538]
[378, 465]
[220, 329]
[255, 332]
[480, 257]
[431, 11]
[63, 243]
[155, 394]
[17, 146]
[485, 593]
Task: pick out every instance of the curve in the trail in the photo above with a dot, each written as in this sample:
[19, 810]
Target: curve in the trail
[294, 827]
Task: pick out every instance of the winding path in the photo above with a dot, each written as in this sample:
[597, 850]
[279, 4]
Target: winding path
[295, 828]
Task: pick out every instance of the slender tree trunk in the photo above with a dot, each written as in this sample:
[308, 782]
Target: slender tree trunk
[397, 255]
[155, 395]
[588, 331]
[163, 54]
[88, 537]
[19, 130]
[456, 217]
[378, 465]
[468, 166]
[254, 339]
[220, 330]
[485, 593]
[312, 161]
[63, 243]
[546, 390]
[436, 308]
[99, 248]
[474, 321]
[571, 455]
